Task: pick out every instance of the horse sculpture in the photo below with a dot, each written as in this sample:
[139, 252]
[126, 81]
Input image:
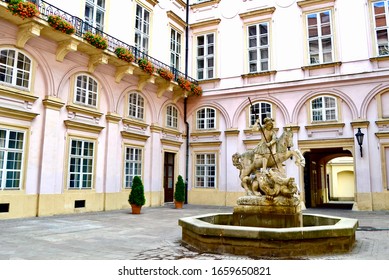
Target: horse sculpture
[249, 162]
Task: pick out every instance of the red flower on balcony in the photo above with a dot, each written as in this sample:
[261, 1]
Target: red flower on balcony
[61, 24]
[146, 66]
[23, 9]
[124, 54]
[96, 40]
[184, 84]
[165, 73]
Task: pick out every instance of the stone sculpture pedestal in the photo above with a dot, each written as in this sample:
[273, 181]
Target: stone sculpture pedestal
[275, 216]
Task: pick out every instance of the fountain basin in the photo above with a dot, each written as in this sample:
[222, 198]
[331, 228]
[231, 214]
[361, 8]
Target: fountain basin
[320, 234]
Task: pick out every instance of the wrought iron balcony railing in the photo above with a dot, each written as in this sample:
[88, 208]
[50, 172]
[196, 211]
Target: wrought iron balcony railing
[81, 27]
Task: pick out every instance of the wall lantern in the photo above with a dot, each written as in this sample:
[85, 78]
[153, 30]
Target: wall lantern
[359, 135]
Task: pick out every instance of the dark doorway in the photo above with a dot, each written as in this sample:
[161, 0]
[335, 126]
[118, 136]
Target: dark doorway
[317, 184]
[168, 177]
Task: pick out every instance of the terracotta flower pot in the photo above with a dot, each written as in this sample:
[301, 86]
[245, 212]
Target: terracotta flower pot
[178, 204]
[135, 209]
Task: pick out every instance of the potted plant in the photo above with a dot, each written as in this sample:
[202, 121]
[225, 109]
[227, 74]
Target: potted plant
[61, 24]
[196, 90]
[146, 65]
[165, 73]
[184, 84]
[23, 9]
[179, 193]
[124, 54]
[137, 196]
[96, 40]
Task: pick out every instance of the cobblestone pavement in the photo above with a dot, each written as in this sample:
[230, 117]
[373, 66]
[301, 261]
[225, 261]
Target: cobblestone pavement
[153, 235]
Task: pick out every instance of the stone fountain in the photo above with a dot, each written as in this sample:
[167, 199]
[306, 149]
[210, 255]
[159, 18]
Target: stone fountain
[268, 221]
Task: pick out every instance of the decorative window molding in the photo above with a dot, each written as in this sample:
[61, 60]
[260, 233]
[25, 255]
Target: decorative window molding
[204, 3]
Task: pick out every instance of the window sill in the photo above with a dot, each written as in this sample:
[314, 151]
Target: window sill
[320, 66]
[333, 129]
[17, 94]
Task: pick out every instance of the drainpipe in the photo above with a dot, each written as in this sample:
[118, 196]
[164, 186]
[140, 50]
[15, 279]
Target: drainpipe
[186, 102]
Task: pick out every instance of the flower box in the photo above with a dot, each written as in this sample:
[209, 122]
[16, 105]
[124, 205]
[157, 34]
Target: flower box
[58, 23]
[196, 90]
[124, 54]
[96, 40]
[165, 73]
[146, 66]
[23, 9]
[184, 84]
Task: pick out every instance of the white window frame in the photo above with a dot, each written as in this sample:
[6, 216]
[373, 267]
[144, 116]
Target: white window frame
[324, 111]
[381, 46]
[205, 170]
[12, 154]
[133, 158]
[171, 116]
[142, 28]
[96, 9]
[260, 110]
[258, 52]
[320, 54]
[86, 91]
[207, 119]
[10, 72]
[175, 48]
[81, 164]
[136, 106]
[205, 54]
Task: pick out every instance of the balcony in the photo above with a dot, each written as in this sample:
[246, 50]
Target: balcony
[39, 26]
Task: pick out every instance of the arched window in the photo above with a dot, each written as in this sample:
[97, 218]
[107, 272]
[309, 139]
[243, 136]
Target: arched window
[135, 106]
[323, 108]
[260, 110]
[15, 68]
[171, 116]
[206, 118]
[86, 91]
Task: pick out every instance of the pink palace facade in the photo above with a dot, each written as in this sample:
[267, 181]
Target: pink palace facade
[77, 123]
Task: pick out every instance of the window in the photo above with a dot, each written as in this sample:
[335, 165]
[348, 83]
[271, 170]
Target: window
[86, 91]
[94, 13]
[206, 118]
[324, 109]
[81, 164]
[260, 110]
[15, 68]
[320, 38]
[205, 171]
[171, 116]
[206, 56]
[175, 49]
[142, 22]
[381, 26]
[135, 106]
[133, 165]
[11, 158]
[258, 47]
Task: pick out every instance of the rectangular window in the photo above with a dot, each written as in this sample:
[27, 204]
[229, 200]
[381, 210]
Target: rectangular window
[205, 171]
[320, 38]
[94, 14]
[132, 165]
[206, 118]
[175, 49]
[11, 158]
[205, 56]
[81, 160]
[258, 47]
[86, 91]
[381, 26]
[260, 110]
[142, 33]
